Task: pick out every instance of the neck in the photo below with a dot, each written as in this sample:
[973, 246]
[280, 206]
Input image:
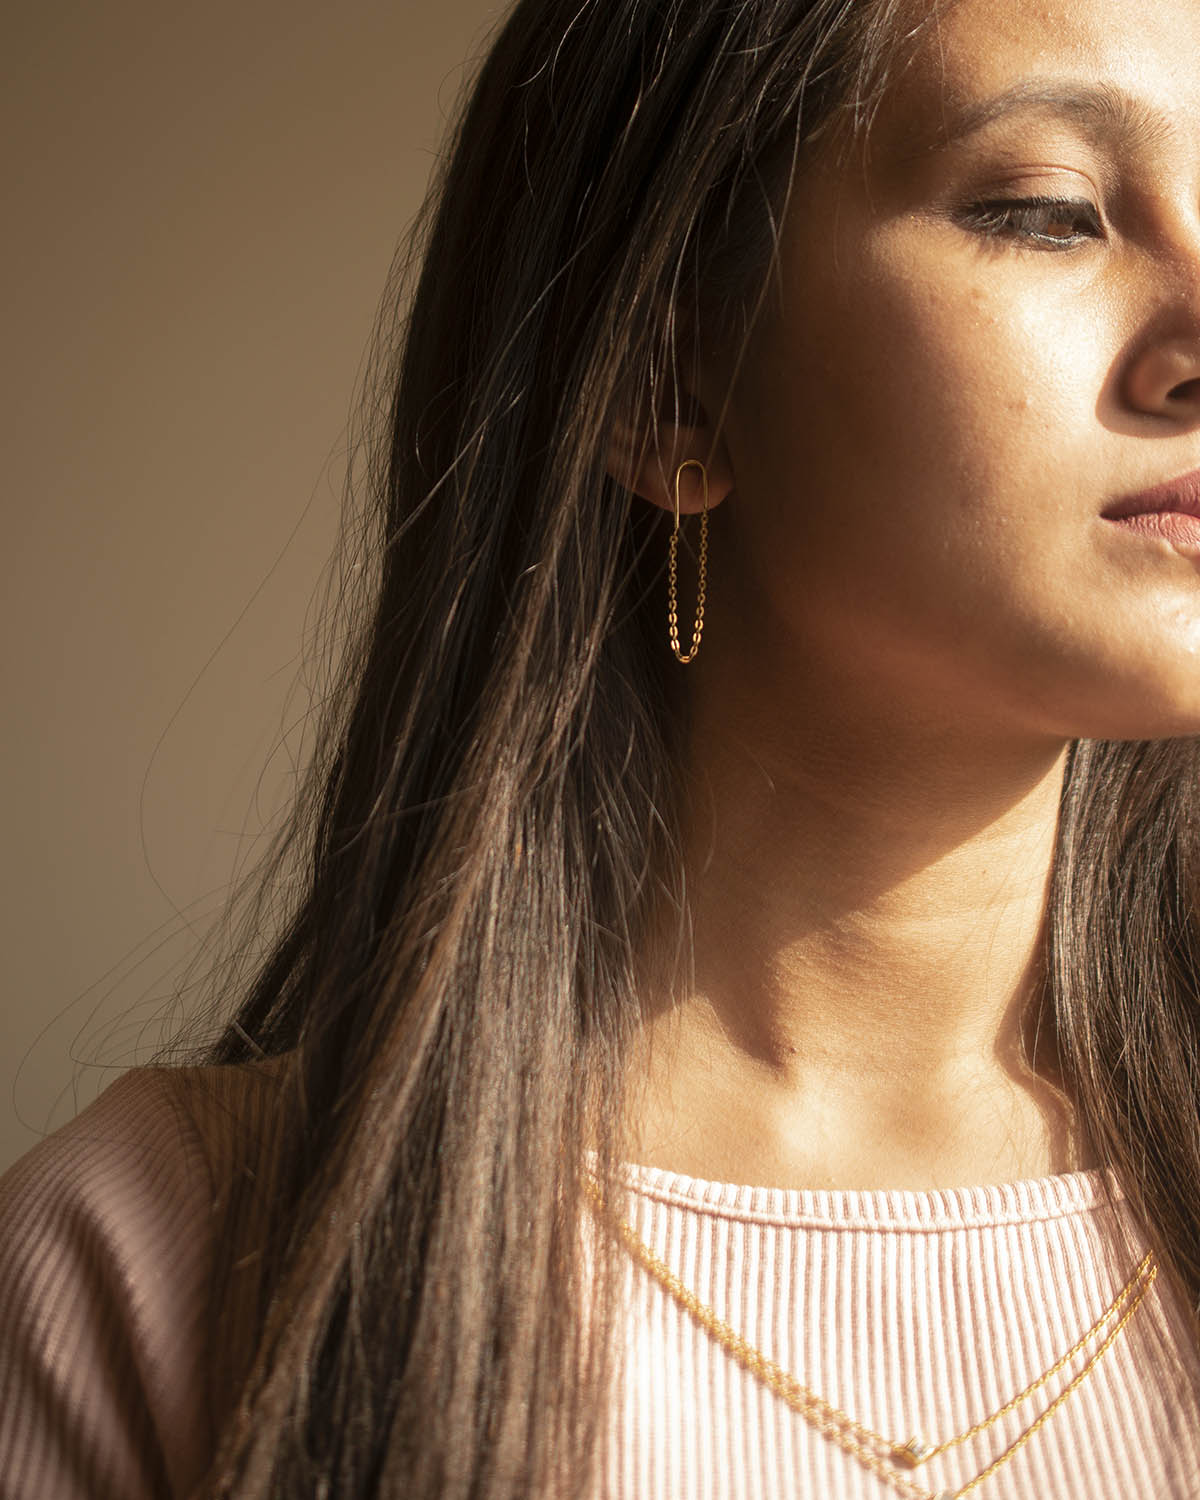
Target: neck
[868, 913]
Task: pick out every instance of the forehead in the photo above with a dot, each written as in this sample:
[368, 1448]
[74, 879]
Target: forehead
[1117, 65]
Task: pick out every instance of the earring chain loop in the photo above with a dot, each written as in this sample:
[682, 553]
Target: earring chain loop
[672, 569]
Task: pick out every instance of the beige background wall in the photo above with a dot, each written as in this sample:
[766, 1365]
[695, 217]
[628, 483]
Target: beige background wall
[202, 204]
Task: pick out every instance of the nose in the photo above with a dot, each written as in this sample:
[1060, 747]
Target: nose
[1163, 377]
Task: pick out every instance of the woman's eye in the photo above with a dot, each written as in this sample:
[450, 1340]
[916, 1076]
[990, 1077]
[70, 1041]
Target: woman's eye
[1053, 223]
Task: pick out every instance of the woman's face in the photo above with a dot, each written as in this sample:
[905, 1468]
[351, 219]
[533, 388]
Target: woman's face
[951, 385]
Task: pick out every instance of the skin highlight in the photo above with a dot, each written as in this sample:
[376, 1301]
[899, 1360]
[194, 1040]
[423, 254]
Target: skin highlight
[915, 604]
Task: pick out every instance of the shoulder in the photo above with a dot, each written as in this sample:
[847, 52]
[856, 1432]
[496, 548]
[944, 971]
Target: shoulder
[150, 1154]
[106, 1251]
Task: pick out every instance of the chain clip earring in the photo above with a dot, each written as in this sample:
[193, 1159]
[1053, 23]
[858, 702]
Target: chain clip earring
[672, 615]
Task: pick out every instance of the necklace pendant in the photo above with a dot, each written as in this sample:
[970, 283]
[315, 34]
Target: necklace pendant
[914, 1452]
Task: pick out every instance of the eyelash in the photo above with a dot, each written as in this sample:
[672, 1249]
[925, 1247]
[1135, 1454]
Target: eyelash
[1015, 217]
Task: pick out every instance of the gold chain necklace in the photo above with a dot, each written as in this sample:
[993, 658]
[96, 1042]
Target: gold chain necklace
[859, 1441]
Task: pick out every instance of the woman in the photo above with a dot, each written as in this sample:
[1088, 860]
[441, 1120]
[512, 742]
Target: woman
[832, 949]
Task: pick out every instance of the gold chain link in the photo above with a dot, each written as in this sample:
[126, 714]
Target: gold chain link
[833, 1422]
[672, 615]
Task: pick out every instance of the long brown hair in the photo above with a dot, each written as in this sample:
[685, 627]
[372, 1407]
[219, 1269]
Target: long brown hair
[490, 826]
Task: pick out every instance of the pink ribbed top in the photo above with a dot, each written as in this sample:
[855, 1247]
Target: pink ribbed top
[913, 1312]
[909, 1310]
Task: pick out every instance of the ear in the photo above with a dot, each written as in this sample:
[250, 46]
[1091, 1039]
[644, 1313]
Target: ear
[645, 456]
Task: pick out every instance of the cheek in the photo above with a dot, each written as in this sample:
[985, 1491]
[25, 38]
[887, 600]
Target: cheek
[914, 457]
[958, 385]
[915, 387]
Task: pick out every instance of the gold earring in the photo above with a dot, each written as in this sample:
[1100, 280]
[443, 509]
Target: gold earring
[672, 616]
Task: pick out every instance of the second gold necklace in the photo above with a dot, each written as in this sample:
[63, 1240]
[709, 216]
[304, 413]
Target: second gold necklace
[871, 1448]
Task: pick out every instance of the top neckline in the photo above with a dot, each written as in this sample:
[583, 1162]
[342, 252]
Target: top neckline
[1021, 1202]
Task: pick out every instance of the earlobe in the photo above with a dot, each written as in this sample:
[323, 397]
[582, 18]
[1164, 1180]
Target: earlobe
[677, 460]
[663, 426]
[628, 455]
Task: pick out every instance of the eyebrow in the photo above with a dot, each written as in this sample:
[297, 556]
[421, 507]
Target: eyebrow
[1102, 110]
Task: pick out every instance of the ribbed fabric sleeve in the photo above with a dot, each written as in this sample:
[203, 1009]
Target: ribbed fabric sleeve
[104, 1268]
[116, 1371]
[910, 1311]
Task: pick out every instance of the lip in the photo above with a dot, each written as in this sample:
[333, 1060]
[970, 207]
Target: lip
[1182, 495]
[1179, 529]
